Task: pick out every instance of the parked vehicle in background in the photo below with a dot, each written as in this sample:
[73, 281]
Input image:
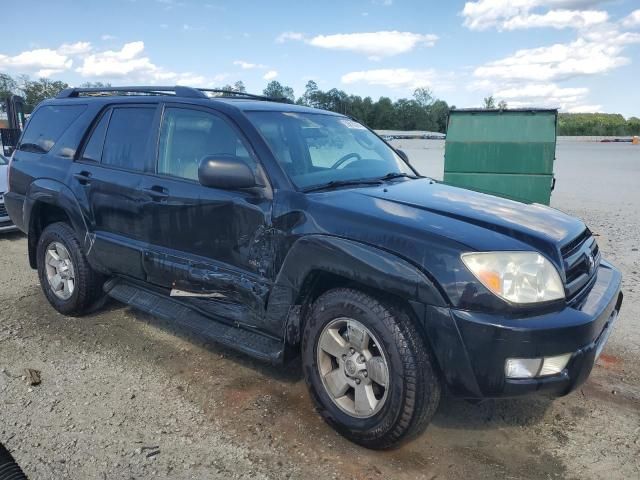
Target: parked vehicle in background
[290, 232]
[5, 222]
[12, 121]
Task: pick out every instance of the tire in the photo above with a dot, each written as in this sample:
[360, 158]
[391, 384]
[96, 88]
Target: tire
[87, 284]
[9, 469]
[396, 412]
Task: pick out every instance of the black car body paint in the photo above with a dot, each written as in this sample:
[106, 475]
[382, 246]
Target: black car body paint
[262, 248]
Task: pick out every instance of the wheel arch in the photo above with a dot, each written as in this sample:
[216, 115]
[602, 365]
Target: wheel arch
[47, 202]
[318, 263]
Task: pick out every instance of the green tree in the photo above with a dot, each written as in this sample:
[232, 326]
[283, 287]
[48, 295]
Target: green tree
[310, 95]
[489, 102]
[439, 114]
[239, 86]
[36, 91]
[633, 126]
[8, 86]
[502, 105]
[423, 96]
[275, 89]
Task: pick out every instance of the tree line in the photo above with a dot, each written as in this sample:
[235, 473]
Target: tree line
[421, 112]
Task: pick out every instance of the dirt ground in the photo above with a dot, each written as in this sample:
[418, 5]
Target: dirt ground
[123, 395]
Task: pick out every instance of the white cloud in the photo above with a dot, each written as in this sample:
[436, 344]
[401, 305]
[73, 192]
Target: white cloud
[111, 63]
[248, 66]
[598, 52]
[399, 78]
[130, 62]
[517, 14]
[106, 37]
[632, 20]
[557, 19]
[544, 95]
[541, 91]
[270, 75]
[45, 60]
[286, 36]
[374, 44]
[585, 109]
[77, 48]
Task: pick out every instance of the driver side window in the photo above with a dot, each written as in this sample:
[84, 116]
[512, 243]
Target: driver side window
[187, 136]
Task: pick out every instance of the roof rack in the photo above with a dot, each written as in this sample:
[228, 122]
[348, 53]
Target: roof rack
[177, 91]
[235, 93]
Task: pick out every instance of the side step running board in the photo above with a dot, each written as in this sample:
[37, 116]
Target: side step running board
[258, 346]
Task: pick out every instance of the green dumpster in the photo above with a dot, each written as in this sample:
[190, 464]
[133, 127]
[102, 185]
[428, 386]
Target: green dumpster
[508, 153]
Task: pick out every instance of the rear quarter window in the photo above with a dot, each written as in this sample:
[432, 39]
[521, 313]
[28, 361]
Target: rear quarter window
[46, 126]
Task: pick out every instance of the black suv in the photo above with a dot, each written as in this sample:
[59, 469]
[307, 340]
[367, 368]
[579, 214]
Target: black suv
[280, 230]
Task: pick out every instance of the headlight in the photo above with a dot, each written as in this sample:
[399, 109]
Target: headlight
[518, 277]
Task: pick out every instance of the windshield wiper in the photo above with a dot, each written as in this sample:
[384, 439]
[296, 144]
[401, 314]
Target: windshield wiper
[342, 183]
[392, 175]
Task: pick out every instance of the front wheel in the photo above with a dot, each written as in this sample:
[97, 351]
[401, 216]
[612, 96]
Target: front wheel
[368, 369]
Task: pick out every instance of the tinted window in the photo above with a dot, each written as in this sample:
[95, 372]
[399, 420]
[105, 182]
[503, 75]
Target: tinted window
[187, 136]
[127, 137]
[47, 125]
[93, 150]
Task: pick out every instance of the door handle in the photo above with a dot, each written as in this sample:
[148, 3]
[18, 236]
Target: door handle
[83, 177]
[157, 193]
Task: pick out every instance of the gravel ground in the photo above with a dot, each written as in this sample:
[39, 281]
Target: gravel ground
[123, 395]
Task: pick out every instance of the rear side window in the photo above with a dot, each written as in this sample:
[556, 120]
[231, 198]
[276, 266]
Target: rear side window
[47, 125]
[125, 144]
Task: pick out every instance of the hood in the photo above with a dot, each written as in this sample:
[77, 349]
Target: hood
[483, 222]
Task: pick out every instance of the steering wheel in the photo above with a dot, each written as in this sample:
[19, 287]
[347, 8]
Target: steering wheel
[345, 158]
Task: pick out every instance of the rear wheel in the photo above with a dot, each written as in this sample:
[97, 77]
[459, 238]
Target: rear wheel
[367, 368]
[66, 278]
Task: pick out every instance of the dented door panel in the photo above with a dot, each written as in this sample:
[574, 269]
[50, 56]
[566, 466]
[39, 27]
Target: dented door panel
[204, 241]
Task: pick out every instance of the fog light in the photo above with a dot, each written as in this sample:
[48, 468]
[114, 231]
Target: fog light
[554, 365]
[522, 367]
[535, 367]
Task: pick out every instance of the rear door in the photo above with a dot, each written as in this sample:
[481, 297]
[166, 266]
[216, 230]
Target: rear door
[210, 244]
[108, 178]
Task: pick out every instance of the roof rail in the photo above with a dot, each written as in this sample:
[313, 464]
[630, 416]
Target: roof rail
[178, 91]
[236, 93]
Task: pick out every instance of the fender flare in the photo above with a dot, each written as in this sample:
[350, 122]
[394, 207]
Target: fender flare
[54, 193]
[359, 262]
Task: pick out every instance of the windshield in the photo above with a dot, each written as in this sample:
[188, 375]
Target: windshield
[316, 149]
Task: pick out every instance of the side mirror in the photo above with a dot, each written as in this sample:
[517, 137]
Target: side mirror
[403, 155]
[225, 171]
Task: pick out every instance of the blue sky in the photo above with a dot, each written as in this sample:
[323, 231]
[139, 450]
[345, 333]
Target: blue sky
[579, 55]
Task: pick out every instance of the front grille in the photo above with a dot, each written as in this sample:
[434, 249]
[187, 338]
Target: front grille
[580, 258]
[3, 211]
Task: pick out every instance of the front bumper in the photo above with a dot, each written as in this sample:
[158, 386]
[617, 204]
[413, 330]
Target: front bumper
[476, 345]
[6, 225]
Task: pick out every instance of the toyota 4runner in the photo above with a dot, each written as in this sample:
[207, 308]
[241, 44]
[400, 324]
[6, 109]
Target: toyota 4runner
[290, 232]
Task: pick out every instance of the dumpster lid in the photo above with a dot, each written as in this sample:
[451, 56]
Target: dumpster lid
[505, 110]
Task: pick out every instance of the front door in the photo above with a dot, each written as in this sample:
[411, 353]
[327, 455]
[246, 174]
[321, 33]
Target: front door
[211, 247]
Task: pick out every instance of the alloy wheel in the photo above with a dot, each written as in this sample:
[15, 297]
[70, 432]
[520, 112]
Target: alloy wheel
[353, 367]
[60, 271]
